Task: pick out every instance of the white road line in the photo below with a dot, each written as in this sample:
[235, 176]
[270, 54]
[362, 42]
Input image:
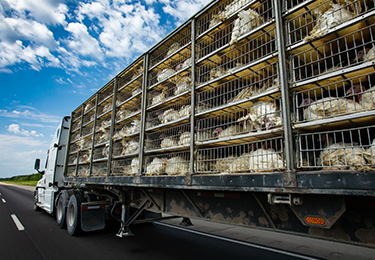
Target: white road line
[279, 251]
[17, 222]
[4, 201]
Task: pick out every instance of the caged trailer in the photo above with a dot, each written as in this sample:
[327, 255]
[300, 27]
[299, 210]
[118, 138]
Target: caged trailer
[254, 113]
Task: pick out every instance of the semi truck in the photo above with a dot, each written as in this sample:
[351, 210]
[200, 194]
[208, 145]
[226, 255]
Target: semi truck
[252, 113]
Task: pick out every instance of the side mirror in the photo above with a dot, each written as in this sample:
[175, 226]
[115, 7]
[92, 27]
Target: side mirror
[37, 164]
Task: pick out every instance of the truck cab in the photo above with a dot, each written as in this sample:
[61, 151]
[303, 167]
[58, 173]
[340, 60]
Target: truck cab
[52, 179]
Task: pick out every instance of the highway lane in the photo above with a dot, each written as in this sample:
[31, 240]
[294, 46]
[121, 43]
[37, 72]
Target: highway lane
[42, 239]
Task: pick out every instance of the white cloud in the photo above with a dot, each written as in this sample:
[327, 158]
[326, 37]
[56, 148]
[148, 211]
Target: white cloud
[82, 42]
[9, 141]
[14, 128]
[26, 112]
[183, 9]
[45, 11]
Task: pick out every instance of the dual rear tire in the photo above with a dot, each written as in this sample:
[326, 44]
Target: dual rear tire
[68, 212]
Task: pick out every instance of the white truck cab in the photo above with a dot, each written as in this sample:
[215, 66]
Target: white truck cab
[52, 179]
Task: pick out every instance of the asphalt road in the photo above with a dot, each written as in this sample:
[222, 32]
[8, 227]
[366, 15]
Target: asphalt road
[42, 239]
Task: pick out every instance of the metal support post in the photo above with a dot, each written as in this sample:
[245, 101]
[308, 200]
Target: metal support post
[290, 174]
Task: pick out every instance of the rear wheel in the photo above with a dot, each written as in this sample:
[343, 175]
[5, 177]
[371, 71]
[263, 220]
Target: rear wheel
[73, 215]
[61, 209]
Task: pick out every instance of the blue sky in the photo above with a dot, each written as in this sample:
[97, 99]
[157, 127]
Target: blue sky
[54, 54]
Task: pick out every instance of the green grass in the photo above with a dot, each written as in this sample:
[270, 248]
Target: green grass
[26, 183]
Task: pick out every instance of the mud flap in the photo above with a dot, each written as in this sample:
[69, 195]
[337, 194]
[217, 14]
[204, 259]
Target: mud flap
[92, 217]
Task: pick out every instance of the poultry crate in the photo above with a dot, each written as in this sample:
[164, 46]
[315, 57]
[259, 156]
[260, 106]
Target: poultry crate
[260, 84]
[172, 138]
[349, 96]
[99, 169]
[89, 105]
[177, 163]
[102, 130]
[125, 167]
[322, 17]
[230, 63]
[339, 54]
[250, 157]
[175, 113]
[170, 91]
[260, 116]
[247, 24]
[126, 129]
[88, 117]
[101, 152]
[83, 171]
[126, 147]
[337, 150]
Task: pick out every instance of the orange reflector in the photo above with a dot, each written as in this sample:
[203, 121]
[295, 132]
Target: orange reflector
[315, 221]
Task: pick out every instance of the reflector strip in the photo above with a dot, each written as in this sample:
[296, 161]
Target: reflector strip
[316, 221]
[17, 222]
[92, 207]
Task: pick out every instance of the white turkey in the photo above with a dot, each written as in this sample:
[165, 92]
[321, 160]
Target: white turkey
[136, 90]
[369, 154]
[105, 151]
[173, 48]
[247, 20]
[123, 113]
[366, 54]
[214, 21]
[203, 164]
[159, 97]
[183, 84]
[107, 107]
[129, 147]
[168, 141]
[229, 131]
[333, 16]
[231, 8]
[328, 107]
[169, 115]
[134, 166]
[85, 157]
[135, 126]
[265, 160]
[364, 97]
[223, 165]
[157, 166]
[164, 74]
[184, 139]
[341, 155]
[185, 111]
[137, 71]
[217, 72]
[177, 166]
[261, 115]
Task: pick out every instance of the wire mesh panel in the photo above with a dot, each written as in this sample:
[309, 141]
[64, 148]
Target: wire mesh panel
[177, 111]
[257, 117]
[169, 90]
[173, 46]
[350, 149]
[90, 105]
[242, 88]
[104, 107]
[323, 18]
[101, 152]
[71, 171]
[253, 50]
[168, 138]
[88, 129]
[128, 91]
[350, 49]
[77, 114]
[128, 109]
[105, 93]
[103, 127]
[127, 128]
[125, 167]
[263, 156]
[99, 169]
[89, 117]
[72, 159]
[76, 126]
[167, 164]
[126, 147]
[287, 4]
[233, 31]
[81, 143]
[339, 98]
[83, 170]
[84, 157]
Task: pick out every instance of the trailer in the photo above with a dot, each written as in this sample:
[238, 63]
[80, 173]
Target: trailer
[253, 113]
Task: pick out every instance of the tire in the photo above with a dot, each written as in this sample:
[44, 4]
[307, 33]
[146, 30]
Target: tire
[61, 209]
[73, 215]
[36, 207]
